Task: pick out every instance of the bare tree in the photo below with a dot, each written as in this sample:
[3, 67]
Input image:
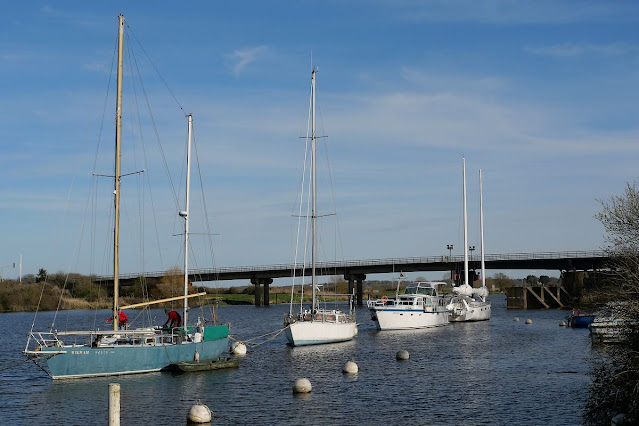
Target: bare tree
[615, 386]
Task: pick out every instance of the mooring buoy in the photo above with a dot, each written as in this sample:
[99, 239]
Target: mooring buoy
[238, 348]
[516, 319]
[528, 321]
[402, 355]
[562, 324]
[302, 385]
[350, 368]
[199, 413]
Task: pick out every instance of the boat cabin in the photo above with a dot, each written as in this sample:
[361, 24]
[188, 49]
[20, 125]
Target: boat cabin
[422, 288]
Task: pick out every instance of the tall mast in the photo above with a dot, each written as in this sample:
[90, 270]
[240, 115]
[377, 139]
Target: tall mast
[185, 215]
[313, 186]
[465, 222]
[481, 230]
[117, 177]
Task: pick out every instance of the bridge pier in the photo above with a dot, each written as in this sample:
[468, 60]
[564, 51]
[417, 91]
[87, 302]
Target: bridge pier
[258, 290]
[356, 279]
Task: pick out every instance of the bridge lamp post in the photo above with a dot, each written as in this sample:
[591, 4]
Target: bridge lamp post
[472, 249]
[12, 265]
[450, 251]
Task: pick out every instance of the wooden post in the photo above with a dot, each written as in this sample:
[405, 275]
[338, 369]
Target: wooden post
[114, 404]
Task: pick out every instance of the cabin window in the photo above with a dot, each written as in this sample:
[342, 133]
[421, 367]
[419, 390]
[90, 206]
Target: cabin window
[426, 291]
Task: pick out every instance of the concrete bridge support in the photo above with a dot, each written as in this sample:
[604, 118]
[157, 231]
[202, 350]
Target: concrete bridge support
[258, 290]
[356, 279]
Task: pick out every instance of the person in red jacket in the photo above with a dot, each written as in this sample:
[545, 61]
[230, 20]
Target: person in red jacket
[122, 319]
[174, 318]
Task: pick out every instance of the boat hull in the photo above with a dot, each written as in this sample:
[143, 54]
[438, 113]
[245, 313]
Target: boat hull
[581, 321]
[606, 331]
[407, 319]
[474, 311]
[207, 365]
[304, 333]
[80, 361]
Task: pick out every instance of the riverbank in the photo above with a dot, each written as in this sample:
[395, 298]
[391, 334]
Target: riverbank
[16, 297]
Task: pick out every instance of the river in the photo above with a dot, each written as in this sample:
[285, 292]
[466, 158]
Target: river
[493, 372]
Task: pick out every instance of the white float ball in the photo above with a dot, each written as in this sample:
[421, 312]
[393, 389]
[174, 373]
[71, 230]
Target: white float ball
[199, 413]
[238, 348]
[350, 367]
[402, 355]
[562, 324]
[302, 386]
[516, 319]
[528, 321]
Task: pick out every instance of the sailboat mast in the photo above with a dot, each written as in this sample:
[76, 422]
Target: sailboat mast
[117, 177]
[481, 230]
[465, 222]
[185, 215]
[313, 186]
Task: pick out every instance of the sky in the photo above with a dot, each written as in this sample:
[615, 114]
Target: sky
[539, 95]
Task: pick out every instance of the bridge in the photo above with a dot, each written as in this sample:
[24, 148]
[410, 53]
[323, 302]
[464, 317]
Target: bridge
[355, 271]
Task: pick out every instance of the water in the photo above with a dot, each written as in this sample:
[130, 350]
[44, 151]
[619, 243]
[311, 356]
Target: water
[493, 372]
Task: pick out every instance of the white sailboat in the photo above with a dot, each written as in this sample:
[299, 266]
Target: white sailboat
[470, 304]
[123, 350]
[317, 324]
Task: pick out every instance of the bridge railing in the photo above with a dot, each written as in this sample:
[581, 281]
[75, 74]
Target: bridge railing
[376, 262]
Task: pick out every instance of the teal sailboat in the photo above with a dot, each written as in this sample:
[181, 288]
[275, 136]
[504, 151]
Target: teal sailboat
[123, 350]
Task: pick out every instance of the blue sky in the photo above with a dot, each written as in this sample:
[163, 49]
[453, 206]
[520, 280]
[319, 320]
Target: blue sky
[541, 95]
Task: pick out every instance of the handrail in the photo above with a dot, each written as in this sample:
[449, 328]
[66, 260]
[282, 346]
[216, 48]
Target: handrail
[374, 262]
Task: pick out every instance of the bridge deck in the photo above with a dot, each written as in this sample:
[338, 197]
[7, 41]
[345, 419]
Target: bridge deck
[557, 261]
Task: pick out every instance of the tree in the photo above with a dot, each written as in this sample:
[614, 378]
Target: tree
[615, 388]
[172, 285]
[532, 280]
[500, 281]
[42, 275]
[544, 279]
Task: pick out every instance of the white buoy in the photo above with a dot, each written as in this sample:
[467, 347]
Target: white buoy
[302, 385]
[238, 348]
[562, 323]
[516, 319]
[199, 413]
[402, 355]
[528, 321]
[350, 368]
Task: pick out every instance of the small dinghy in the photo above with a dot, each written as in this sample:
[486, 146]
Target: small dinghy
[208, 364]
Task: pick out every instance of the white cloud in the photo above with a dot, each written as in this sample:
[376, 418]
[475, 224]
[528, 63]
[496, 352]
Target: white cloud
[510, 12]
[446, 82]
[574, 49]
[239, 59]
[75, 18]
[10, 57]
